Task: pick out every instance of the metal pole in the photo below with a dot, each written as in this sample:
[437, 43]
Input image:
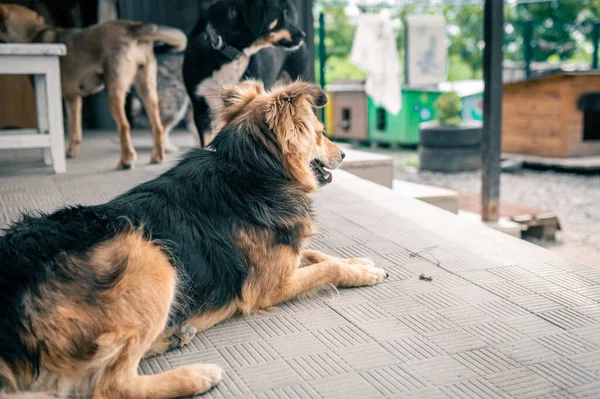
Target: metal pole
[322, 56]
[493, 33]
[595, 39]
[527, 38]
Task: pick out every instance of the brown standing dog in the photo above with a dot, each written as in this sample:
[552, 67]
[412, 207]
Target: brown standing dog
[115, 55]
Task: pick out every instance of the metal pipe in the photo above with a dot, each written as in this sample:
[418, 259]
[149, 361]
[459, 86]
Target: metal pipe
[595, 40]
[527, 50]
[493, 33]
[322, 56]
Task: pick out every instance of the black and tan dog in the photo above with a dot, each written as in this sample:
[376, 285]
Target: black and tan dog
[86, 292]
[113, 54]
[257, 39]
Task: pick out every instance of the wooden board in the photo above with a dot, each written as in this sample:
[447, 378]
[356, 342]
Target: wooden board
[17, 108]
[541, 116]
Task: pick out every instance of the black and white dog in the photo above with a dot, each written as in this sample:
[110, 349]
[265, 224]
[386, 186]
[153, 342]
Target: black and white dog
[234, 39]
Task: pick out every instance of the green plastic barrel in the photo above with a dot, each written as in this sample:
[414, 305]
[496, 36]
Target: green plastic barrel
[403, 128]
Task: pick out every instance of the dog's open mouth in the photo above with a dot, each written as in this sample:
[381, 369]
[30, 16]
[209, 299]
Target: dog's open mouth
[323, 175]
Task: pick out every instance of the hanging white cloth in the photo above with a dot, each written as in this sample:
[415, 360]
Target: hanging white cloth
[374, 51]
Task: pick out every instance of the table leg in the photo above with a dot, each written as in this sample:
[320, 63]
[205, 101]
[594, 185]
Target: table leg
[55, 116]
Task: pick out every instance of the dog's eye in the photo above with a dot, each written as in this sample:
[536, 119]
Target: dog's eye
[232, 14]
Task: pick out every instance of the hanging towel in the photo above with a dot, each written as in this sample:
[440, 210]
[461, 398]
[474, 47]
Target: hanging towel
[374, 51]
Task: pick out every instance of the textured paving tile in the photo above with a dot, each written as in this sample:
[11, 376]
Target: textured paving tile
[362, 312]
[300, 391]
[588, 391]
[342, 337]
[466, 315]
[442, 370]
[363, 357]
[277, 373]
[320, 318]
[232, 386]
[319, 366]
[566, 344]
[395, 381]
[498, 320]
[522, 383]
[227, 334]
[455, 340]
[590, 334]
[413, 348]
[297, 344]
[501, 309]
[564, 373]
[426, 322]
[475, 388]
[532, 326]
[567, 318]
[527, 352]
[486, 361]
[347, 386]
[248, 354]
[386, 329]
[205, 356]
[272, 327]
[494, 333]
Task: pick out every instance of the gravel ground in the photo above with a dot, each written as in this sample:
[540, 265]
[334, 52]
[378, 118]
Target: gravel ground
[575, 198]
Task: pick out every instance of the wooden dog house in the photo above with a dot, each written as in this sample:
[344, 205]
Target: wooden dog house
[553, 116]
[346, 114]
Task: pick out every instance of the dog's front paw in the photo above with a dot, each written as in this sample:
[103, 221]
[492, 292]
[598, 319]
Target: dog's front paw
[158, 157]
[205, 376]
[72, 151]
[127, 161]
[358, 272]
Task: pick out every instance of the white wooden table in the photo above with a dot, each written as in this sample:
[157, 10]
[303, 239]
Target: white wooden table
[40, 60]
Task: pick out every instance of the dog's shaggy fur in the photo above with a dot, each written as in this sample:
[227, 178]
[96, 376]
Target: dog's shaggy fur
[86, 292]
[113, 54]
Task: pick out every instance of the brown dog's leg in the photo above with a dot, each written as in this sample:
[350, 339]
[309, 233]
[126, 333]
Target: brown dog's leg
[119, 75]
[74, 120]
[145, 84]
[116, 103]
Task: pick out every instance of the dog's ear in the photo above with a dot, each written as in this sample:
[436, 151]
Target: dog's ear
[291, 118]
[254, 15]
[233, 101]
[242, 93]
[305, 90]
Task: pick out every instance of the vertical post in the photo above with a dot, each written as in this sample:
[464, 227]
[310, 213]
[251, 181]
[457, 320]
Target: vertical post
[307, 23]
[493, 33]
[527, 38]
[406, 30]
[595, 40]
[322, 56]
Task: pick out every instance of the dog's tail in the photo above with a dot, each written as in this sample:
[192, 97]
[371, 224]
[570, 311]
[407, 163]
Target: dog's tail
[174, 38]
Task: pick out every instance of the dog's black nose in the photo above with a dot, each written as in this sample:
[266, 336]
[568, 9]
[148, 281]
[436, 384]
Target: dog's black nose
[343, 155]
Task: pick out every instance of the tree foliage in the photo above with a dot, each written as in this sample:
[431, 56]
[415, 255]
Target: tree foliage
[562, 31]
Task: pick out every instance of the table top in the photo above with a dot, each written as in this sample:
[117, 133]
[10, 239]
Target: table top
[33, 49]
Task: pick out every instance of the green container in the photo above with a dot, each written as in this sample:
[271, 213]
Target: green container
[403, 128]
[418, 107]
